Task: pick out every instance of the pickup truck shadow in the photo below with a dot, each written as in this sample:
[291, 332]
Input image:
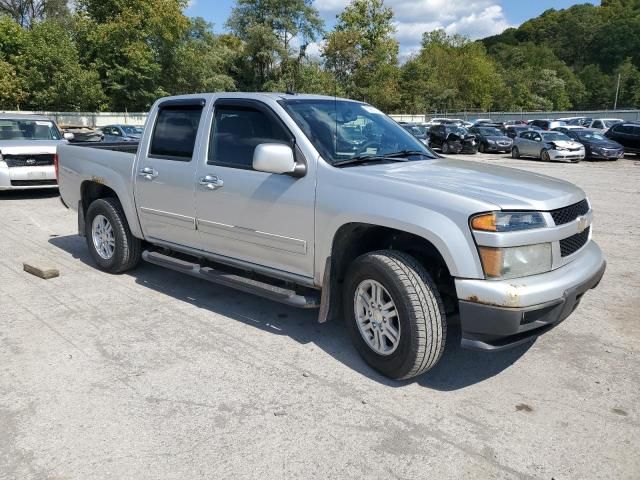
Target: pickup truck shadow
[457, 369]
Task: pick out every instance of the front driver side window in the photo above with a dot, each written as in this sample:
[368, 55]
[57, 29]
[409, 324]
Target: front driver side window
[237, 131]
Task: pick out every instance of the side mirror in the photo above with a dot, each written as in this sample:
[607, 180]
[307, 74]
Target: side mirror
[68, 136]
[274, 158]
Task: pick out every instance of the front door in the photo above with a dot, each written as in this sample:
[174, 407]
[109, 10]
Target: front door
[261, 218]
[165, 175]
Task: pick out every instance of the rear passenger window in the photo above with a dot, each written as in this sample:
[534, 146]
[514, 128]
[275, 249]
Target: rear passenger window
[236, 133]
[174, 135]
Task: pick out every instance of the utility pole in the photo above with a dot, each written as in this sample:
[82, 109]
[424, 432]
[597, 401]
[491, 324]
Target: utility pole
[615, 104]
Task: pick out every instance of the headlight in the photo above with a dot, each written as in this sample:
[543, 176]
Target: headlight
[513, 262]
[490, 141]
[507, 221]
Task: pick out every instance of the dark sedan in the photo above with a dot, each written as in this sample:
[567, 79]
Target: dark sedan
[452, 139]
[491, 139]
[596, 145]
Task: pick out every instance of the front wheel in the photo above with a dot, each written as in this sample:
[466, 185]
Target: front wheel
[445, 147]
[394, 314]
[544, 155]
[482, 148]
[110, 242]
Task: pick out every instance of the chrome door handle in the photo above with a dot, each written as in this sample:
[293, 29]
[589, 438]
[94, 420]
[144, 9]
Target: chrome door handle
[148, 173]
[212, 182]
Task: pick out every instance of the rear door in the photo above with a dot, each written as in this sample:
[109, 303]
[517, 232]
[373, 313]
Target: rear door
[166, 171]
[261, 218]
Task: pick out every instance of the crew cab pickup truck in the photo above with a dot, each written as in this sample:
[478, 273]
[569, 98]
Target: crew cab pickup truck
[28, 146]
[323, 202]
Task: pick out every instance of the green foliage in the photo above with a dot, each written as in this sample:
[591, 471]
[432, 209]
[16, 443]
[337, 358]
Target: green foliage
[450, 72]
[363, 54]
[268, 29]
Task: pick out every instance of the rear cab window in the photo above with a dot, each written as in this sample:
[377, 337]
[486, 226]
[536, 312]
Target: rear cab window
[175, 131]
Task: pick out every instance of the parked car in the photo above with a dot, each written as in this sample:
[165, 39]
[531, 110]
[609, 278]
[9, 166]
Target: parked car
[82, 133]
[28, 146]
[122, 133]
[515, 122]
[512, 131]
[452, 139]
[547, 124]
[491, 139]
[478, 121]
[419, 131]
[603, 124]
[568, 128]
[548, 146]
[596, 145]
[253, 194]
[626, 134]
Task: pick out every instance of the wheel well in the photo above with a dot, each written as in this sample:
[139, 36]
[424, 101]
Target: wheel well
[90, 191]
[355, 239]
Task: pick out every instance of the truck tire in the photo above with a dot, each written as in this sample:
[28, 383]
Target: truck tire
[112, 246]
[394, 314]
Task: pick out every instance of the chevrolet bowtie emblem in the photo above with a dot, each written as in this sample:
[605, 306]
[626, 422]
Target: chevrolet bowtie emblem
[582, 224]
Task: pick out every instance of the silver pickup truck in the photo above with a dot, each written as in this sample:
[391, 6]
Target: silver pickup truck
[28, 146]
[322, 202]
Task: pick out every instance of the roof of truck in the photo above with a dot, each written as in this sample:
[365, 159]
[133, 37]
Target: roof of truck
[257, 95]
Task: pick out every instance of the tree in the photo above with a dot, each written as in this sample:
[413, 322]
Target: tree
[450, 72]
[269, 30]
[130, 44]
[363, 54]
[53, 76]
[29, 12]
[202, 62]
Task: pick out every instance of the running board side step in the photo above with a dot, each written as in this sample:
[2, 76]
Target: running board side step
[248, 285]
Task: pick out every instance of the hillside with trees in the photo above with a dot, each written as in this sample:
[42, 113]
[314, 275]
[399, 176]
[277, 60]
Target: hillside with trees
[97, 55]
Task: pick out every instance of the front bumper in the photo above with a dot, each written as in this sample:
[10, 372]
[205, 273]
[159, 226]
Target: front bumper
[496, 315]
[606, 155]
[495, 147]
[20, 178]
[567, 155]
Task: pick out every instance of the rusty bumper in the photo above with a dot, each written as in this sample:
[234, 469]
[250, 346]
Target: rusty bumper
[522, 312]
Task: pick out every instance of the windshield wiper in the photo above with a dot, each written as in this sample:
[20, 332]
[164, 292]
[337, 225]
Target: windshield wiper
[394, 156]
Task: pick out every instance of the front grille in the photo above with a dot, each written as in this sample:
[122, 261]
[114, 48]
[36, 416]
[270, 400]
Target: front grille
[574, 243]
[570, 213]
[29, 160]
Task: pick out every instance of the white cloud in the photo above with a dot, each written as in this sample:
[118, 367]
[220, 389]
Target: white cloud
[475, 18]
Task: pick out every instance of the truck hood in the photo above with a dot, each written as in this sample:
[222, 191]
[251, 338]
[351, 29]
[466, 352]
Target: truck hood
[503, 187]
[26, 147]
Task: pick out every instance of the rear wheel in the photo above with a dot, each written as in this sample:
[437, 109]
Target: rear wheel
[110, 242]
[544, 155]
[515, 153]
[394, 314]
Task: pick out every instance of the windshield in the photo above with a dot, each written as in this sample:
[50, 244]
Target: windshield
[457, 130]
[28, 130]
[341, 130]
[490, 132]
[129, 130]
[554, 136]
[590, 136]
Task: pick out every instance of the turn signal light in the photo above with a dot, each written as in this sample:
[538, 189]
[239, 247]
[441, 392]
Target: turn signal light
[485, 222]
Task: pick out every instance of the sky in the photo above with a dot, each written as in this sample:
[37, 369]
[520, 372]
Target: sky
[473, 18]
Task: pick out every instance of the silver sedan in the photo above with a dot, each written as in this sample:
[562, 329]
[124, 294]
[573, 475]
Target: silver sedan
[548, 146]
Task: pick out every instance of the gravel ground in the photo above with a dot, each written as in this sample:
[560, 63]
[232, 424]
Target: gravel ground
[154, 375]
